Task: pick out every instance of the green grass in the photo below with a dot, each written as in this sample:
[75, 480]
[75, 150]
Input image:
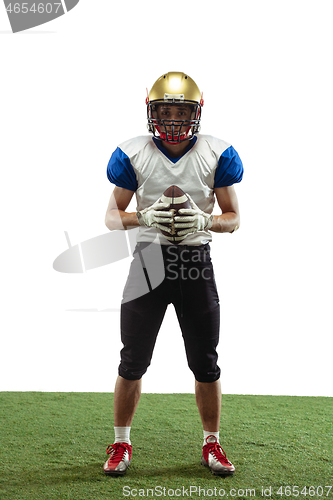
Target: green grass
[52, 446]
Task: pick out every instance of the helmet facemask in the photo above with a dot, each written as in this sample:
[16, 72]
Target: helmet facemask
[170, 130]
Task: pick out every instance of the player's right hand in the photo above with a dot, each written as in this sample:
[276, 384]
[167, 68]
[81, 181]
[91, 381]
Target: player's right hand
[156, 216]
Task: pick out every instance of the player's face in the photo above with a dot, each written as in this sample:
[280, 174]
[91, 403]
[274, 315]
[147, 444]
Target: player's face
[174, 112]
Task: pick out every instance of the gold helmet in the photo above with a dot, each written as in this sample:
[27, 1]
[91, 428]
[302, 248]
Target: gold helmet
[174, 88]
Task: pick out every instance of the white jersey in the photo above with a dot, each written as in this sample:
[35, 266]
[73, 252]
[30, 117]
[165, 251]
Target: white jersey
[140, 165]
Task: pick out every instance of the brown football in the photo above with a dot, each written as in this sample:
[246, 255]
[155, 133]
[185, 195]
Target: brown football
[177, 199]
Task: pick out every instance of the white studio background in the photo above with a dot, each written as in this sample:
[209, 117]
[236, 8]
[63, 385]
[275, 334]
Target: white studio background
[72, 90]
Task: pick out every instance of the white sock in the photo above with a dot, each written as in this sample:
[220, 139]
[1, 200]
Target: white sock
[122, 435]
[208, 433]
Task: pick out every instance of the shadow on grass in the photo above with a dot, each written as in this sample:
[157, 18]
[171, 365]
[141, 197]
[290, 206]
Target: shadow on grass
[181, 470]
[93, 473]
[56, 475]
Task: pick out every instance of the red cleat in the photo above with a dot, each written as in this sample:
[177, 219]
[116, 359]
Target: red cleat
[214, 457]
[119, 460]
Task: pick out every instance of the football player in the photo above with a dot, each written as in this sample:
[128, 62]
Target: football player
[205, 168]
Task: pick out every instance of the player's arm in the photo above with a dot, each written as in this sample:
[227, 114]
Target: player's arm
[116, 216]
[229, 220]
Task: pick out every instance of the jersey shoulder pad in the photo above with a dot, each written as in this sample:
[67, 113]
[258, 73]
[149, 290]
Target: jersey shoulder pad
[133, 146]
[217, 146]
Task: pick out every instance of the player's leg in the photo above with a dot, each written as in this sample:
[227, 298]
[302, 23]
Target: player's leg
[126, 399]
[138, 337]
[202, 360]
[141, 319]
[198, 313]
[208, 399]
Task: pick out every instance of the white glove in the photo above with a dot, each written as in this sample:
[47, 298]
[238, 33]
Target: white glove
[193, 219]
[156, 216]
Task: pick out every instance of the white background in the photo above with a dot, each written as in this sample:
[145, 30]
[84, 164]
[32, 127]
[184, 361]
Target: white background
[71, 90]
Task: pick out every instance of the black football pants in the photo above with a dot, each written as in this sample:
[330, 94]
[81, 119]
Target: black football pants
[189, 285]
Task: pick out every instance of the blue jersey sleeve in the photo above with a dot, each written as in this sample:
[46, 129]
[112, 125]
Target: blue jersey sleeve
[229, 169]
[120, 171]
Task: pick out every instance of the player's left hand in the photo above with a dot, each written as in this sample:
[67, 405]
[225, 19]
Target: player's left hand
[192, 219]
